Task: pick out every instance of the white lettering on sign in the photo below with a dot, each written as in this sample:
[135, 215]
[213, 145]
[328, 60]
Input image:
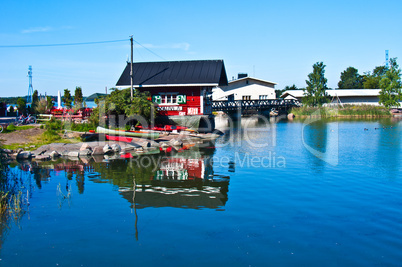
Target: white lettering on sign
[169, 108]
[181, 99]
[192, 111]
[182, 113]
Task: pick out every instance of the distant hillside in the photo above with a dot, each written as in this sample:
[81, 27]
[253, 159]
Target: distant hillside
[13, 100]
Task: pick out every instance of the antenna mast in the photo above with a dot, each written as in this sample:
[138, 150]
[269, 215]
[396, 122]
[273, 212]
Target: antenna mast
[386, 59]
[30, 88]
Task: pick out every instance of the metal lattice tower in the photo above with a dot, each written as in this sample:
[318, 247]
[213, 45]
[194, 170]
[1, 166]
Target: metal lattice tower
[30, 88]
[386, 59]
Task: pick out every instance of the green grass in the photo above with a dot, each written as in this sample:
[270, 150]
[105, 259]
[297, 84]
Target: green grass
[345, 111]
[12, 128]
[40, 141]
[53, 133]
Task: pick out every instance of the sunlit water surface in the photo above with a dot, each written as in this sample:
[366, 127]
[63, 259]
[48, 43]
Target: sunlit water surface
[326, 193]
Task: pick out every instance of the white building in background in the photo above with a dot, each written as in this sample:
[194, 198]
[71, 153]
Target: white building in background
[245, 88]
[344, 96]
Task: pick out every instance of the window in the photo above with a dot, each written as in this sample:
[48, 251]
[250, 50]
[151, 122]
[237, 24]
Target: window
[246, 97]
[169, 99]
[263, 97]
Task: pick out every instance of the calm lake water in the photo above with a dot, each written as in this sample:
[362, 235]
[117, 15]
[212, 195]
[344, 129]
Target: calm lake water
[324, 193]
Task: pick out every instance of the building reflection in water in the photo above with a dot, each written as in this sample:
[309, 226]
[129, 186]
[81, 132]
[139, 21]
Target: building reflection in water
[183, 180]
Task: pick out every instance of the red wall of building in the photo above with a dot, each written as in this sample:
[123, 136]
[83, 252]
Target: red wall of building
[191, 107]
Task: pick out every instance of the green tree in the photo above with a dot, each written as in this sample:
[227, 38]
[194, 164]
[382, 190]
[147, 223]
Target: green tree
[350, 79]
[119, 103]
[372, 80]
[67, 99]
[314, 94]
[390, 85]
[293, 87]
[78, 98]
[22, 106]
[35, 100]
[41, 106]
[50, 103]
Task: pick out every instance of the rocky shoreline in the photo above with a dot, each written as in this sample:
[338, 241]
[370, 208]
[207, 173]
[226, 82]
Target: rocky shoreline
[102, 147]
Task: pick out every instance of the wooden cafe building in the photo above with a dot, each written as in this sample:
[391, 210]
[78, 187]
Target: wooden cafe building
[181, 90]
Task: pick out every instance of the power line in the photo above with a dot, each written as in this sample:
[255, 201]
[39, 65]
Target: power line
[149, 50]
[84, 43]
[65, 44]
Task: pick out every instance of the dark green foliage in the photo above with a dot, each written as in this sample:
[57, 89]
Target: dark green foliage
[119, 103]
[22, 106]
[390, 85]
[293, 87]
[351, 79]
[11, 128]
[372, 80]
[82, 127]
[50, 103]
[314, 94]
[78, 98]
[53, 127]
[35, 100]
[339, 111]
[41, 107]
[67, 99]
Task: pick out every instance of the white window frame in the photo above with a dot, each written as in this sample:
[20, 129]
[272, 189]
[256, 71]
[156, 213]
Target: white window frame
[172, 96]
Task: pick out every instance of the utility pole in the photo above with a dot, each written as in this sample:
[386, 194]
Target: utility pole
[131, 68]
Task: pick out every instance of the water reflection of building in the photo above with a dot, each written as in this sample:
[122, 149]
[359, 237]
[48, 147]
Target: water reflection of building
[181, 181]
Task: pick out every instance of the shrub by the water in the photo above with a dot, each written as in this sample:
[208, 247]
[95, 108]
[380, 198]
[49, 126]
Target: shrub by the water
[11, 128]
[339, 111]
[53, 128]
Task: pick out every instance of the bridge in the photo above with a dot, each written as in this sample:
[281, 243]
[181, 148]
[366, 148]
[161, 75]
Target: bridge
[245, 106]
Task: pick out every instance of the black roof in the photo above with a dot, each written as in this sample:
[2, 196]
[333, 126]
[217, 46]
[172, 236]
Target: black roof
[175, 73]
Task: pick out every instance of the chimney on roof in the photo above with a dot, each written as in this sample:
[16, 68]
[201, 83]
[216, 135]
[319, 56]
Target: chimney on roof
[242, 75]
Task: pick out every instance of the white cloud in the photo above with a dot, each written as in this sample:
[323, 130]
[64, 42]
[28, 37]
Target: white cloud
[183, 46]
[37, 29]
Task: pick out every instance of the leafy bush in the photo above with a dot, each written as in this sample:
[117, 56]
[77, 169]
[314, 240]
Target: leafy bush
[11, 128]
[82, 127]
[346, 110]
[54, 125]
[50, 136]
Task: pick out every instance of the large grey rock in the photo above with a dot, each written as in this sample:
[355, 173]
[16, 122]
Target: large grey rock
[42, 157]
[24, 155]
[164, 145]
[107, 149]
[175, 142]
[116, 148]
[84, 153]
[98, 150]
[54, 154]
[85, 146]
[73, 154]
[291, 116]
[7, 151]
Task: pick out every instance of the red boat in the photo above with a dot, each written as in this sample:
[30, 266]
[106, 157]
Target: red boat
[119, 138]
[165, 128]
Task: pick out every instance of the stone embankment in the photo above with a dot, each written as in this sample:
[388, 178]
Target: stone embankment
[99, 148]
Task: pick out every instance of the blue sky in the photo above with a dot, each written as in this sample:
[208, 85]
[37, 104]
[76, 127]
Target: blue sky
[277, 41]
